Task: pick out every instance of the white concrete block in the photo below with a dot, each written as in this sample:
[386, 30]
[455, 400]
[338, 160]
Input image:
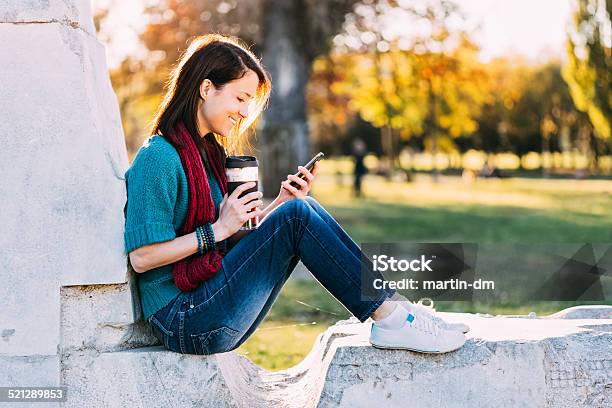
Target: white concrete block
[75, 13]
[100, 317]
[147, 377]
[62, 167]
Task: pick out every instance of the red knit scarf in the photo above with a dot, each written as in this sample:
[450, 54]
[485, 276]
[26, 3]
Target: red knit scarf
[189, 272]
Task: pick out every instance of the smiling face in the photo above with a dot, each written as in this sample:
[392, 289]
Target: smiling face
[222, 108]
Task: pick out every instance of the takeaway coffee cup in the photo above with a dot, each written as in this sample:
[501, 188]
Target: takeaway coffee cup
[240, 170]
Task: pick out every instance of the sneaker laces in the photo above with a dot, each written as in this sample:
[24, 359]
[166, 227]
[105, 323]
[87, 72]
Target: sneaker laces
[427, 312]
[424, 319]
[426, 325]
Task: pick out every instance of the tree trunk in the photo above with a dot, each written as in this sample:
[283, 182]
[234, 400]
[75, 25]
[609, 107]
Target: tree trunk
[283, 138]
[397, 148]
[432, 121]
[387, 145]
[593, 152]
[434, 153]
[546, 152]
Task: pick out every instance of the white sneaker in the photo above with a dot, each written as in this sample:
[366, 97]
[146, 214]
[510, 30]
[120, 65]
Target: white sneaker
[417, 334]
[420, 309]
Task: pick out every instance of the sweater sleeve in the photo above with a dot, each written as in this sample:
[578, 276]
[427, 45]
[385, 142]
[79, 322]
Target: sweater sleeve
[152, 185]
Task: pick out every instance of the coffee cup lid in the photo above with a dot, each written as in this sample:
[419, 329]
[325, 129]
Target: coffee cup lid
[240, 161]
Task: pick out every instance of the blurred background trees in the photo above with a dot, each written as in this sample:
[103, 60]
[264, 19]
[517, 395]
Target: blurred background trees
[589, 67]
[404, 76]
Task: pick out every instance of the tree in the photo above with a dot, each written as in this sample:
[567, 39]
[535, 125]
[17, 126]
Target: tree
[455, 94]
[590, 63]
[542, 118]
[328, 117]
[295, 33]
[287, 34]
[529, 108]
[412, 84]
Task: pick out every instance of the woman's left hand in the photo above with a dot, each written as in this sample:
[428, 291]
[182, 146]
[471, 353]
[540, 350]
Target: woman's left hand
[288, 192]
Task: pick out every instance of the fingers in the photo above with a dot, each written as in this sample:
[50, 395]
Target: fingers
[298, 180]
[287, 186]
[242, 188]
[254, 204]
[253, 195]
[309, 175]
[257, 212]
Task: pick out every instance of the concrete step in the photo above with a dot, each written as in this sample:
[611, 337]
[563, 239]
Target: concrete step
[508, 361]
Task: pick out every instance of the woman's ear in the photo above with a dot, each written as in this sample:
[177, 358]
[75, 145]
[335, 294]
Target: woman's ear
[205, 87]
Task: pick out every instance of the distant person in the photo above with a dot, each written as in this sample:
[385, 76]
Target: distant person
[580, 174]
[200, 298]
[489, 170]
[359, 153]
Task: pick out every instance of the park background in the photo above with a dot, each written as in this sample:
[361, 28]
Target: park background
[483, 121]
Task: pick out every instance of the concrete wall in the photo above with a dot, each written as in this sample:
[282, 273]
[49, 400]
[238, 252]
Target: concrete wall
[62, 162]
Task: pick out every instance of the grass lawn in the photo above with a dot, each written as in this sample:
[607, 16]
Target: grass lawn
[508, 210]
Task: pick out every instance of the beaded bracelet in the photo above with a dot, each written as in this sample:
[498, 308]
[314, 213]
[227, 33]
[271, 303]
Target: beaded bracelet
[200, 233]
[206, 238]
[199, 237]
[203, 235]
[209, 235]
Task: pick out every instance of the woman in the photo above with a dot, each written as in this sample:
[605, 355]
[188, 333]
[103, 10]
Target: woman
[200, 298]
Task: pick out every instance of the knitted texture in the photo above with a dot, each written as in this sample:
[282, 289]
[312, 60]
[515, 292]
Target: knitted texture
[154, 183]
[189, 272]
[156, 209]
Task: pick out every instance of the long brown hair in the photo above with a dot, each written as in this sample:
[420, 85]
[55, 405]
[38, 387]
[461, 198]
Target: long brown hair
[221, 59]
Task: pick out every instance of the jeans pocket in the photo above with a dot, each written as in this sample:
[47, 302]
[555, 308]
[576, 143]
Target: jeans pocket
[219, 340]
[160, 332]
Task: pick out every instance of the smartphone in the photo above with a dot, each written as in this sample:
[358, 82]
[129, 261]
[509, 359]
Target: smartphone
[308, 166]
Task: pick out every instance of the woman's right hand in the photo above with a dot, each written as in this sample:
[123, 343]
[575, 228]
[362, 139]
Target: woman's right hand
[234, 211]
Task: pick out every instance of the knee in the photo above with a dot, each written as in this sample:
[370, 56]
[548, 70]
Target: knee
[315, 205]
[310, 200]
[297, 208]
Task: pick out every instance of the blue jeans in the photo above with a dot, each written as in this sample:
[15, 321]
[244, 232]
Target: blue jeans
[225, 310]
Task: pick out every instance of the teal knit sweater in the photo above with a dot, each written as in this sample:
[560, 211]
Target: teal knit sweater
[157, 202]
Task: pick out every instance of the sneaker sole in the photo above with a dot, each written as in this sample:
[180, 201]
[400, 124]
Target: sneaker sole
[460, 331]
[395, 347]
[464, 331]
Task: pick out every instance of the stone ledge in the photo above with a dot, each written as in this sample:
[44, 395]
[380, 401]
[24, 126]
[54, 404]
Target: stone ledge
[145, 377]
[584, 312]
[507, 362]
[102, 318]
[74, 14]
